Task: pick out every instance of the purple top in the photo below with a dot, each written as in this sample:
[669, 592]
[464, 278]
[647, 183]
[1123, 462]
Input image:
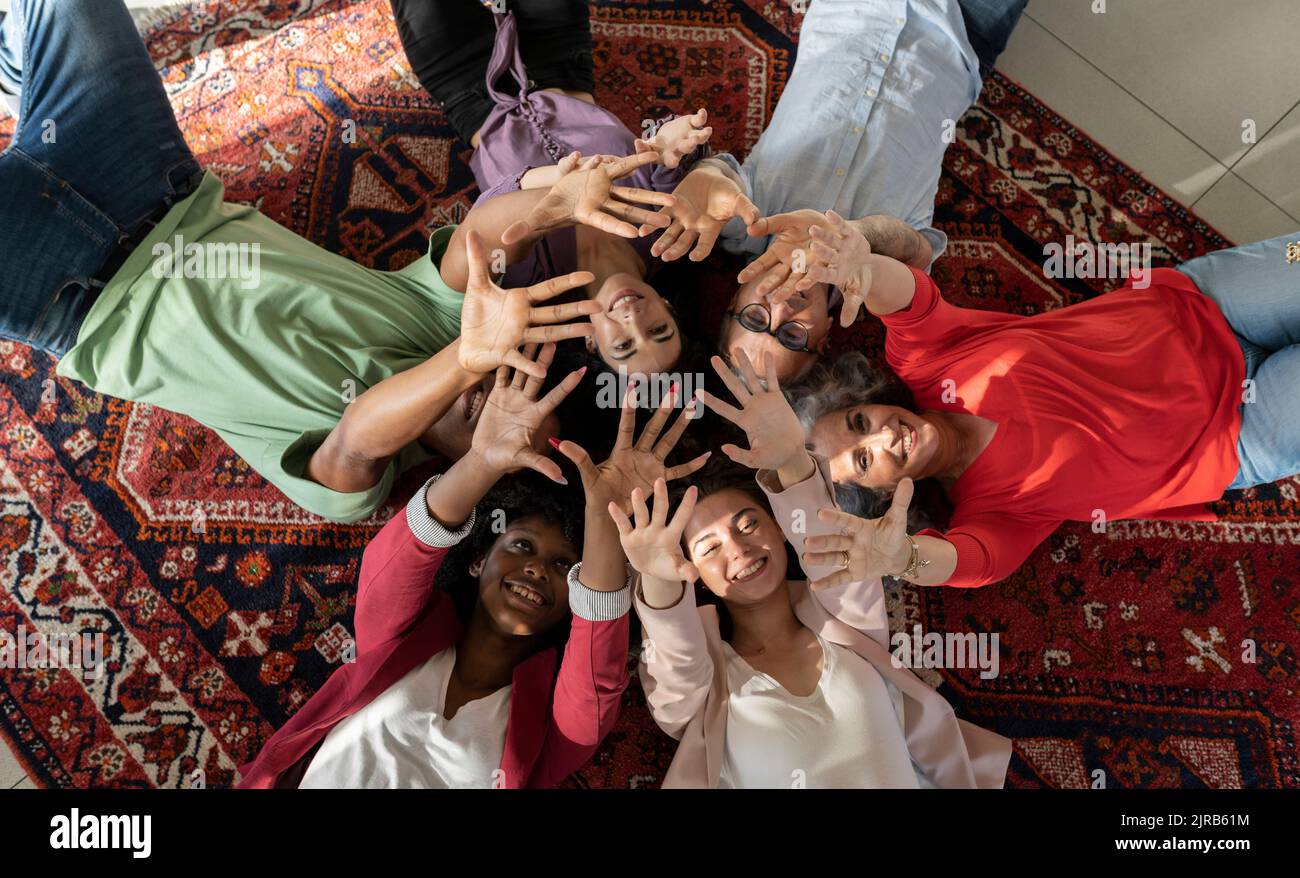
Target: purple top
[538, 129]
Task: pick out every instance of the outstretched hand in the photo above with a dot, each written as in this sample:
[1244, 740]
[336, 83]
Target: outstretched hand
[865, 548]
[653, 545]
[705, 200]
[508, 430]
[586, 194]
[783, 264]
[774, 433]
[840, 256]
[677, 139]
[496, 322]
[636, 464]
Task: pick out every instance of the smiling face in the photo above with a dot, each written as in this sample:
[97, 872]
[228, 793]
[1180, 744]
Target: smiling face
[453, 433]
[876, 445]
[737, 547]
[523, 579]
[809, 309]
[634, 328]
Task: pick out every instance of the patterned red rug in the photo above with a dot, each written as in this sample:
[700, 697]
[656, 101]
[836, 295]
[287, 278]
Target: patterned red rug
[1121, 652]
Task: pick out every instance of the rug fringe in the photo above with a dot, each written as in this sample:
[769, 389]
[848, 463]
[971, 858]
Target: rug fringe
[147, 19]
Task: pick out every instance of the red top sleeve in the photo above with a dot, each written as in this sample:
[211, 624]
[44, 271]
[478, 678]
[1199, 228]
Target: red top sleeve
[990, 550]
[931, 325]
[588, 693]
[396, 583]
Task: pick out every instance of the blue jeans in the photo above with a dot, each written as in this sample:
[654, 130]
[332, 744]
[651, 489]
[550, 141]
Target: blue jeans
[97, 158]
[989, 24]
[1259, 294]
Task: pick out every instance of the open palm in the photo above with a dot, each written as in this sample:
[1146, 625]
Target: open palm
[653, 544]
[586, 194]
[508, 430]
[495, 322]
[865, 548]
[791, 235]
[678, 138]
[774, 433]
[636, 464]
[840, 256]
[704, 202]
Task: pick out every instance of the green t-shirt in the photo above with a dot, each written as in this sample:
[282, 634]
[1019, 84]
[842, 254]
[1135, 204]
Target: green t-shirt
[262, 336]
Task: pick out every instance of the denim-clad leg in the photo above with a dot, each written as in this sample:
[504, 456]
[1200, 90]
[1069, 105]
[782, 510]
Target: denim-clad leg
[97, 154]
[989, 24]
[1258, 292]
[861, 125]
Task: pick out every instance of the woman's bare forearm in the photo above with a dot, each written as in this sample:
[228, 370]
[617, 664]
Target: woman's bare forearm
[892, 285]
[604, 566]
[398, 410]
[797, 470]
[659, 594]
[942, 556]
[490, 219]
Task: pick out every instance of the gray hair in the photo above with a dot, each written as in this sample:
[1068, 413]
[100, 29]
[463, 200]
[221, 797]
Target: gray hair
[850, 380]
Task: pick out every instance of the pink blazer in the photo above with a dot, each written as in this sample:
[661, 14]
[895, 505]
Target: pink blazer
[685, 681]
[555, 722]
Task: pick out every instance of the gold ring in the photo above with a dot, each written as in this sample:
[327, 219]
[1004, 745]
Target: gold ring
[844, 556]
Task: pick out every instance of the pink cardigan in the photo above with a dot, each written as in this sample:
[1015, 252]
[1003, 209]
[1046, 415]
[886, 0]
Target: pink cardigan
[555, 722]
[685, 678]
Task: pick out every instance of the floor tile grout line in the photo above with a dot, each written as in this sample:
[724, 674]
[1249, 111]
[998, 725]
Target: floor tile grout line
[1286, 213]
[1280, 209]
[1141, 102]
[1227, 169]
[1260, 139]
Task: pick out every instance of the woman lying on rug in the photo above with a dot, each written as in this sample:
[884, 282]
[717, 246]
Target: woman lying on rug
[327, 376]
[777, 681]
[459, 618]
[873, 153]
[544, 221]
[1140, 403]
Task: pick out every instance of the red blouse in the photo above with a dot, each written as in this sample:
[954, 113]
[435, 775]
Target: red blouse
[1128, 403]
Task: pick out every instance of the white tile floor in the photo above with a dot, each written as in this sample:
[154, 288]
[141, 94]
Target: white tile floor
[11, 772]
[1165, 85]
[1175, 88]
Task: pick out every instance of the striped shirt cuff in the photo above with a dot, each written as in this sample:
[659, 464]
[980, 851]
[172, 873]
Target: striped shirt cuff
[428, 529]
[598, 606]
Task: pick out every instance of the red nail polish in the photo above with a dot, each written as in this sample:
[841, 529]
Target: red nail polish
[672, 388]
[555, 443]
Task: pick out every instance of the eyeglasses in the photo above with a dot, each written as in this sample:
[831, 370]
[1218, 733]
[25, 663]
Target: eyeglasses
[756, 318]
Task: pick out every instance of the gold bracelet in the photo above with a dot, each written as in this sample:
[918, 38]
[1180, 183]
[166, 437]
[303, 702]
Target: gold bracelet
[914, 561]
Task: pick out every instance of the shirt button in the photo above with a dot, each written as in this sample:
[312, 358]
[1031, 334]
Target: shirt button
[898, 20]
[871, 92]
[884, 56]
[839, 172]
[857, 129]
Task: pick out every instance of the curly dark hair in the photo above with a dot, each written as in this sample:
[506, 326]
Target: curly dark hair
[522, 495]
[590, 415]
[582, 418]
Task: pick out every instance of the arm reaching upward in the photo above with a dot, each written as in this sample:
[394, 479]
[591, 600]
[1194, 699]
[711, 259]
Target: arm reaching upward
[495, 322]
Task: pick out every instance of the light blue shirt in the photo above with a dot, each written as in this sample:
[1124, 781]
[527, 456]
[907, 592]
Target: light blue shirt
[861, 128]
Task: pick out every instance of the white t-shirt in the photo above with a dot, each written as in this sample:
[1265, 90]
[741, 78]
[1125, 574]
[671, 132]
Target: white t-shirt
[402, 741]
[848, 733]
